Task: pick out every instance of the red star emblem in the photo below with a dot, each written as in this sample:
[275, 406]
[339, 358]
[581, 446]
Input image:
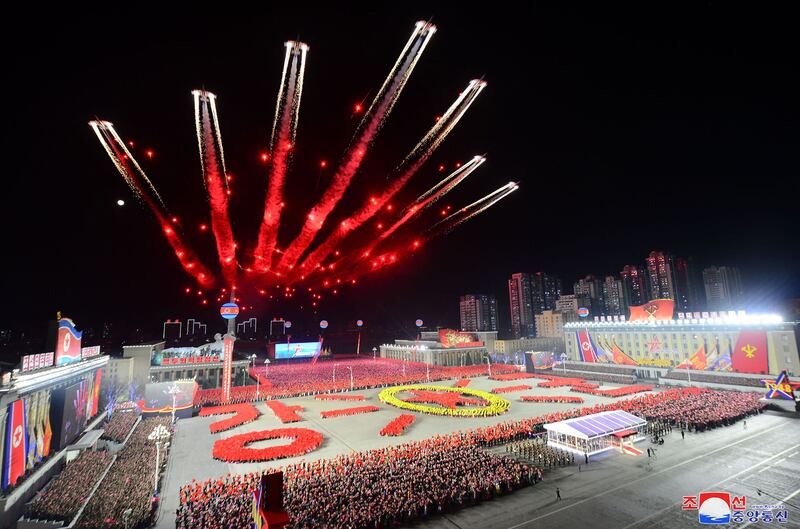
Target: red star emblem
[446, 399]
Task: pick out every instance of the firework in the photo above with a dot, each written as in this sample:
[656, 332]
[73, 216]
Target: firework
[411, 164]
[212, 162]
[141, 186]
[271, 266]
[368, 128]
[287, 112]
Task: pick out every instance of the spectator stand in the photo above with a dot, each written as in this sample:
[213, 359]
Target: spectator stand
[714, 380]
[28, 523]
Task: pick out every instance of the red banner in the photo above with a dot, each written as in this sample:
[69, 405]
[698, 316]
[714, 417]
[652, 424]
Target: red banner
[227, 349]
[620, 357]
[750, 353]
[16, 443]
[98, 376]
[451, 338]
[585, 347]
[658, 309]
[697, 361]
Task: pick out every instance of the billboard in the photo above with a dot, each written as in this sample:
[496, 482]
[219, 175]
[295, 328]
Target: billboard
[297, 350]
[68, 411]
[158, 399]
[452, 338]
[68, 342]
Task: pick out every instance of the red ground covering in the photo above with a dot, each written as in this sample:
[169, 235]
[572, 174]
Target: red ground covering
[245, 412]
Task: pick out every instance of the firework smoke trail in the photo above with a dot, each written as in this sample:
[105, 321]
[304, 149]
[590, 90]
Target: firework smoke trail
[413, 162]
[142, 187]
[446, 225]
[368, 128]
[429, 198]
[212, 162]
[440, 228]
[287, 111]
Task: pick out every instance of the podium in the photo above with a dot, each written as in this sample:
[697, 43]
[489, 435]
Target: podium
[271, 509]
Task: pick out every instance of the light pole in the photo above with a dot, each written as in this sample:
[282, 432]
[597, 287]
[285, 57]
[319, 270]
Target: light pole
[126, 516]
[258, 380]
[351, 377]
[374, 352]
[334, 374]
[159, 434]
[564, 362]
[174, 390]
[688, 373]
[489, 364]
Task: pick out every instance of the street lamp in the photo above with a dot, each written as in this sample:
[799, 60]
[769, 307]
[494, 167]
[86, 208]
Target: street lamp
[174, 390]
[489, 364]
[564, 362]
[258, 380]
[126, 516]
[334, 374]
[374, 352]
[159, 434]
[351, 377]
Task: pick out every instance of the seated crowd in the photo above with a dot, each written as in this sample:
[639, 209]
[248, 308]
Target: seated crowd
[600, 368]
[378, 488]
[291, 380]
[718, 378]
[600, 377]
[128, 484]
[65, 494]
[120, 425]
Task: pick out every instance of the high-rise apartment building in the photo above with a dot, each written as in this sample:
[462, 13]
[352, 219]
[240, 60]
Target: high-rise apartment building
[478, 312]
[614, 297]
[546, 288]
[660, 279]
[723, 287]
[633, 285]
[520, 296]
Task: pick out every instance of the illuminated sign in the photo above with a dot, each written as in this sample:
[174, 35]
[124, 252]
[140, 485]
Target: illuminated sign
[88, 352]
[227, 351]
[323, 324]
[229, 311]
[583, 312]
[297, 350]
[451, 338]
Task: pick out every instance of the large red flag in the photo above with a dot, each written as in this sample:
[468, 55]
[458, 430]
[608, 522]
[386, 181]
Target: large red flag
[16, 443]
[657, 309]
[586, 348]
[750, 353]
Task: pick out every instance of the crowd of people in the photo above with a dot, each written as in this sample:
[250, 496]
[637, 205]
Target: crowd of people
[599, 377]
[63, 497]
[562, 399]
[598, 368]
[244, 412]
[128, 484]
[614, 392]
[382, 487]
[235, 449]
[378, 488]
[294, 380]
[537, 452]
[718, 378]
[120, 425]
[701, 409]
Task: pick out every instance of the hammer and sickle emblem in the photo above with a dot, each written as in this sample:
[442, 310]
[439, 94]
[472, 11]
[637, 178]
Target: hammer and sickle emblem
[651, 310]
[749, 350]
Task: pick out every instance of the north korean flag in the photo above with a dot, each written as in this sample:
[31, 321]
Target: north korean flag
[16, 443]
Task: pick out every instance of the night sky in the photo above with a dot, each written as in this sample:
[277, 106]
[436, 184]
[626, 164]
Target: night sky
[628, 131]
